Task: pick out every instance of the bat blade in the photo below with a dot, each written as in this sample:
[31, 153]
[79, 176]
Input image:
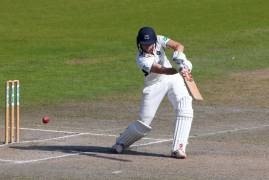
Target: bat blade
[192, 87]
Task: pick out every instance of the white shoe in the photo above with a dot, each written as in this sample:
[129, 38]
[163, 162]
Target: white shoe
[179, 154]
[117, 148]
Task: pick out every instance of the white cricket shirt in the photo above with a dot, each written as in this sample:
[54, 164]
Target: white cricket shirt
[145, 61]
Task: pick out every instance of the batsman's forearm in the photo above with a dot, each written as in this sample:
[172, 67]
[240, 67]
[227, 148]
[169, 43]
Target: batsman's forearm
[179, 48]
[169, 71]
[163, 70]
[176, 46]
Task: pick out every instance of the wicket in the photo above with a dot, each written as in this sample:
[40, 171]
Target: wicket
[12, 111]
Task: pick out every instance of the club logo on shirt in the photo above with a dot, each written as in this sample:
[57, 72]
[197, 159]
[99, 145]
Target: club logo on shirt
[158, 53]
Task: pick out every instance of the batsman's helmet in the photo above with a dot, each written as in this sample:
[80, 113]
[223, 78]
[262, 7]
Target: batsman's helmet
[146, 36]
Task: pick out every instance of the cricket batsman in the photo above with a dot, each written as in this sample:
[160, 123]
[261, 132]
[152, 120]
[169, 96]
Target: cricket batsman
[161, 80]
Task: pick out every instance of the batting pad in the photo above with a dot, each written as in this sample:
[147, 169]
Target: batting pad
[133, 133]
[183, 124]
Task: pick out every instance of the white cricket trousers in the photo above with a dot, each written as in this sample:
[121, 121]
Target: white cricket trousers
[171, 85]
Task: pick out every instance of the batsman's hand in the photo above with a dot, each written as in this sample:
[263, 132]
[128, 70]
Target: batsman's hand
[178, 57]
[185, 65]
[181, 61]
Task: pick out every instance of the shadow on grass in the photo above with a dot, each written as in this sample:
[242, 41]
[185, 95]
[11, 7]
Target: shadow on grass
[94, 151]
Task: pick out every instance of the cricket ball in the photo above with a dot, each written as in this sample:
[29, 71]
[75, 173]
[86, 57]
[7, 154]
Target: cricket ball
[46, 119]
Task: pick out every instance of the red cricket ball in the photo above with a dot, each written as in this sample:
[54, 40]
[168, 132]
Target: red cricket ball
[46, 119]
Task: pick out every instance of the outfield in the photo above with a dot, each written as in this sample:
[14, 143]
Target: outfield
[76, 62]
[83, 50]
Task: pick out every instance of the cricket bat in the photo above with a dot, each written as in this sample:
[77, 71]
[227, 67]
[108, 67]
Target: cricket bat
[192, 87]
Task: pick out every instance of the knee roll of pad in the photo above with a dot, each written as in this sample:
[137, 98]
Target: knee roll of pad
[185, 107]
[133, 133]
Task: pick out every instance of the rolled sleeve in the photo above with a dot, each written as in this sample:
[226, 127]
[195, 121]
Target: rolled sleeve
[163, 40]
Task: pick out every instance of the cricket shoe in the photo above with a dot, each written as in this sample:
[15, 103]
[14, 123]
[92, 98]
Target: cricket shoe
[117, 148]
[179, 154]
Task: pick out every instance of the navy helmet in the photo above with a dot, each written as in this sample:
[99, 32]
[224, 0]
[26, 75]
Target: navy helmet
[146, 36]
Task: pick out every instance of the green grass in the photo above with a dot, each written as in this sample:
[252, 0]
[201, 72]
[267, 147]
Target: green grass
[65, 50]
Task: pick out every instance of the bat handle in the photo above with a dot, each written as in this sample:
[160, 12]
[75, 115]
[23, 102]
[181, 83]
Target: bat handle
[187, 75]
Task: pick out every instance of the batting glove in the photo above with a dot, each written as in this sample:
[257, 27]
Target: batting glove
[179, 56]
[182, 63]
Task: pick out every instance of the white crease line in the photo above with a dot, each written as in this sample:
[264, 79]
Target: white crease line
[56, 138]
[36, 160]
[93, 134]
[227, 131]
[150, 143]
[116, 172]
[48, 130]
[49, 139]
[61, 137]
[202, 135]
[139, 145]
[70, 132]
[42, 140]
[153, 139]
[108, 130]
[156, 141]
